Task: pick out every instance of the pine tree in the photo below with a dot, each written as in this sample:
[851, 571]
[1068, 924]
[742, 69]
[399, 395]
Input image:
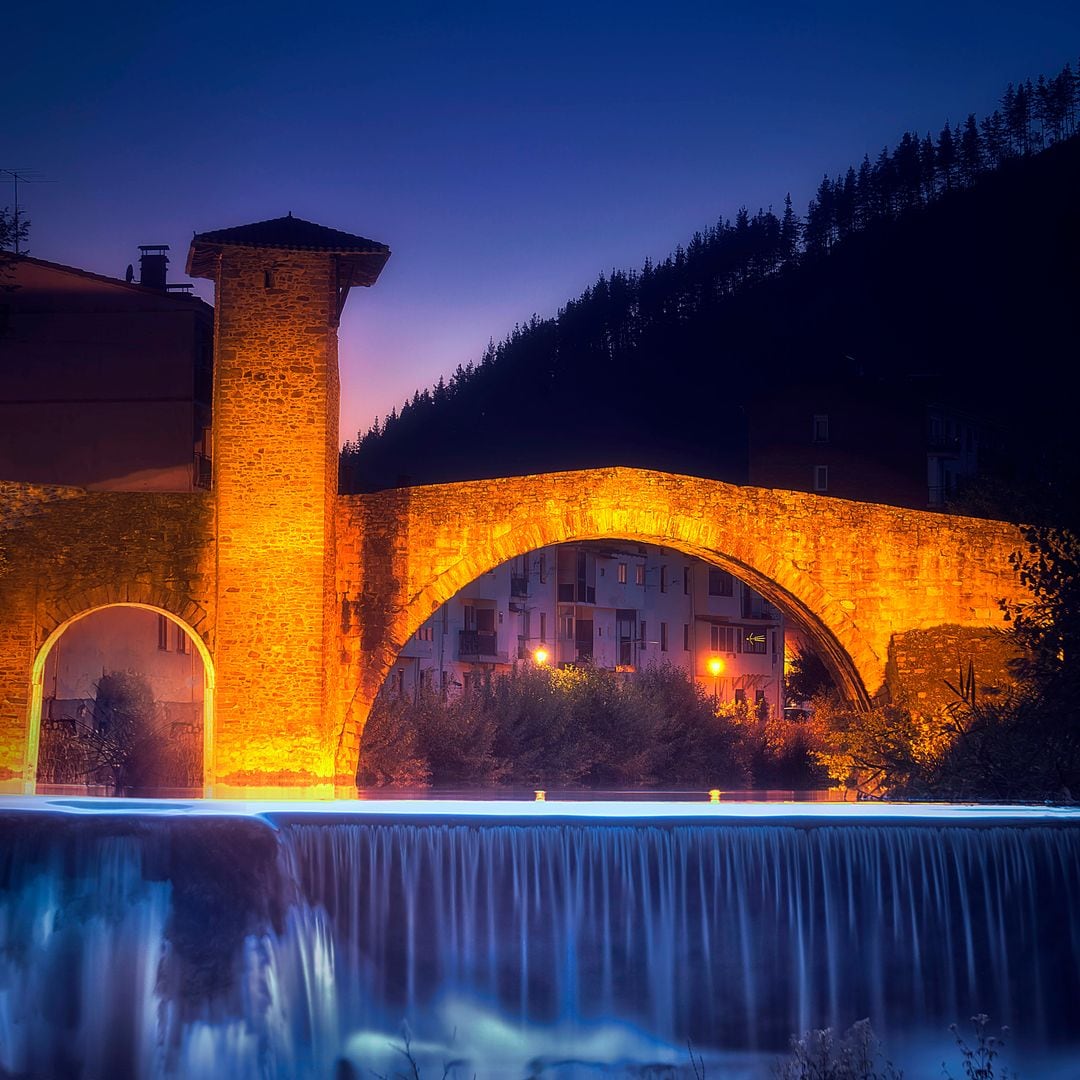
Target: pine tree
[789, 235]
[928, 167]
[946, 157]
[971, 153]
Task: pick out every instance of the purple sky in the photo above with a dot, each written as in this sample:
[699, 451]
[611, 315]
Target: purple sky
[506, 152]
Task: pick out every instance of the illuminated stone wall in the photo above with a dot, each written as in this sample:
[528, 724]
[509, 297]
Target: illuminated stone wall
[64, 552]
[275, 489]
[853, 575]
[896, 599]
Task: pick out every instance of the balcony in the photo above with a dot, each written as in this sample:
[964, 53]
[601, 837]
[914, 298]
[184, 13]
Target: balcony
[202, 471]
[478, 645]
[519, 585]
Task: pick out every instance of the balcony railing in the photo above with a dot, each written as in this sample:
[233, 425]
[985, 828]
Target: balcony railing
[519, 585]
[477, 644]
[203, 471]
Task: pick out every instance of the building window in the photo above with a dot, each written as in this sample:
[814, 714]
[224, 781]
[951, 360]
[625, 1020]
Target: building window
[543, 627]
[622, 573]
[663, 579]
[568, 627]
[686, 580]
[686, 637]
[639, 574]
[821, 428]
[759, 697]
[644, 642]
[740, 696]
[721, 583]
[162, 632]
[181, 640]
[543, 569]
[754, 640]
[663, 637]
[821, 477]
[723, 639]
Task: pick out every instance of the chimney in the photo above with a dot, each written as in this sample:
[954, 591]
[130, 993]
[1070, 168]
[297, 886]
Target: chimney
[152, 265]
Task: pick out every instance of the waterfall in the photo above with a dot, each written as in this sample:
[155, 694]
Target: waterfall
[299, 944]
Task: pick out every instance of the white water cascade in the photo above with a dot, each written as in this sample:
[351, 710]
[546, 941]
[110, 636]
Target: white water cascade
[286, 943]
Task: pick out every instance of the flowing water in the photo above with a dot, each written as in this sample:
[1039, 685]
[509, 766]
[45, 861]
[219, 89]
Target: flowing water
[203, 940]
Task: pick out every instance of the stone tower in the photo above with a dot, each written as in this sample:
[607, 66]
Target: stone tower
[280, 286]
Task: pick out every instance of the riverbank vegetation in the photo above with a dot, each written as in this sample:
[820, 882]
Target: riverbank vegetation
[1023, 744]
[584, 728]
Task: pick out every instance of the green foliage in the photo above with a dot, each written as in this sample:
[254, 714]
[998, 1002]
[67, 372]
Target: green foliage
[807, 677]
[820, 1055]
[583, 727]
[12, 230]
[978, 1058]
[857, 1055]
[1022, 746]
[1048, 626]
[123, 744]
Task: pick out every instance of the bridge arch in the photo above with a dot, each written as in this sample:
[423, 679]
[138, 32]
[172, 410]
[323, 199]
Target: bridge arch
[857, 578]
[824, 621]
[60, 624]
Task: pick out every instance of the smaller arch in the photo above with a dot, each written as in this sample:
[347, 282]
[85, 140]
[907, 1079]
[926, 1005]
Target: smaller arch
[37, 675]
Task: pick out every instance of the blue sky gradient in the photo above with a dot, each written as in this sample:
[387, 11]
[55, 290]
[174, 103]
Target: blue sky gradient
[507, 153]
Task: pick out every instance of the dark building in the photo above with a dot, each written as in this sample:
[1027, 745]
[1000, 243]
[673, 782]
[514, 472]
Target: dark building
[894, 442]
[104, 384]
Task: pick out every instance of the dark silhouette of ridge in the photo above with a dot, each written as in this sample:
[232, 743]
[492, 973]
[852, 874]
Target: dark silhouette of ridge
[952, 264]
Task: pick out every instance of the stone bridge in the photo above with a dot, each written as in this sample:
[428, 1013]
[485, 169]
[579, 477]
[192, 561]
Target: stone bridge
[299, 599]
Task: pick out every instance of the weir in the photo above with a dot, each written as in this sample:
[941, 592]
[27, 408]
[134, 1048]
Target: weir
[281, 940]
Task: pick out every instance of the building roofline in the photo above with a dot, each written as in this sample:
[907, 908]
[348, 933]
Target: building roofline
[134, 287]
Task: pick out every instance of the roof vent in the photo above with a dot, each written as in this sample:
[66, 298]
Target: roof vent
[153, 264]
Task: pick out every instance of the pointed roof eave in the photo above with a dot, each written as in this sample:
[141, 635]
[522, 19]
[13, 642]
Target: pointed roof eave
[360, 260]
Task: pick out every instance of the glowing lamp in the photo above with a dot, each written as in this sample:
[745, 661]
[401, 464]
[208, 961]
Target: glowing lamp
[716, 666]
[541, 796]
[540, 655]
[714, 795]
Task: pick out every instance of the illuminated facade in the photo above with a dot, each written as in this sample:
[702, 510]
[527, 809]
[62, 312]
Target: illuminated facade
[613, 605]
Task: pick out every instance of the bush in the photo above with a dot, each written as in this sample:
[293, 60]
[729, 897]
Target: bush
[538, 727]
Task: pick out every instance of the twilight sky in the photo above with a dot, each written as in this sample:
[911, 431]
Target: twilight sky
[506, 152]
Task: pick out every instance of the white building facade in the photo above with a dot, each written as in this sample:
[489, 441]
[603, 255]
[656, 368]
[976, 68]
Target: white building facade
[614, 605]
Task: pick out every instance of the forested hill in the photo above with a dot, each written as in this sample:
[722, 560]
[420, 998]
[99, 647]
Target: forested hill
[957, 256]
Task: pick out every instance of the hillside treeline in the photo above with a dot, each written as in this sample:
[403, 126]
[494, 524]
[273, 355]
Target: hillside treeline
[949, 257]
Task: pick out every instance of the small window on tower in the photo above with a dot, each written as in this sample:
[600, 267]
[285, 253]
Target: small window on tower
[268, 279]
[821, 477]
[821, 428]
[162, 632]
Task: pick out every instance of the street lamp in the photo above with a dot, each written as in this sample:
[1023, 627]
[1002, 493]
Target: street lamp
[716, 668]
[540, 656]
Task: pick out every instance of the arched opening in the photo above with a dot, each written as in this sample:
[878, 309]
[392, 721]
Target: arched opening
[121, 702]
[603, 605]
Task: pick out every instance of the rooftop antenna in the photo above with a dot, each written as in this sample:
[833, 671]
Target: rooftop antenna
[25, 176]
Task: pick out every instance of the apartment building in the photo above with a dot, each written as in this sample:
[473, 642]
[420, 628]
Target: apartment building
[613, 604]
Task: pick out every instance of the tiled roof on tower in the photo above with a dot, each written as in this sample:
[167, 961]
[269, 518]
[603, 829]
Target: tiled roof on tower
[366, 258]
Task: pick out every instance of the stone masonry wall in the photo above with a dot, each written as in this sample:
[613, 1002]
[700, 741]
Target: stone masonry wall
[927, 667]
[854, 575]
[64, 552]
[275, 486]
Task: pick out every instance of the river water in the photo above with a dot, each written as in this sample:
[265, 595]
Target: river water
[523, 939]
